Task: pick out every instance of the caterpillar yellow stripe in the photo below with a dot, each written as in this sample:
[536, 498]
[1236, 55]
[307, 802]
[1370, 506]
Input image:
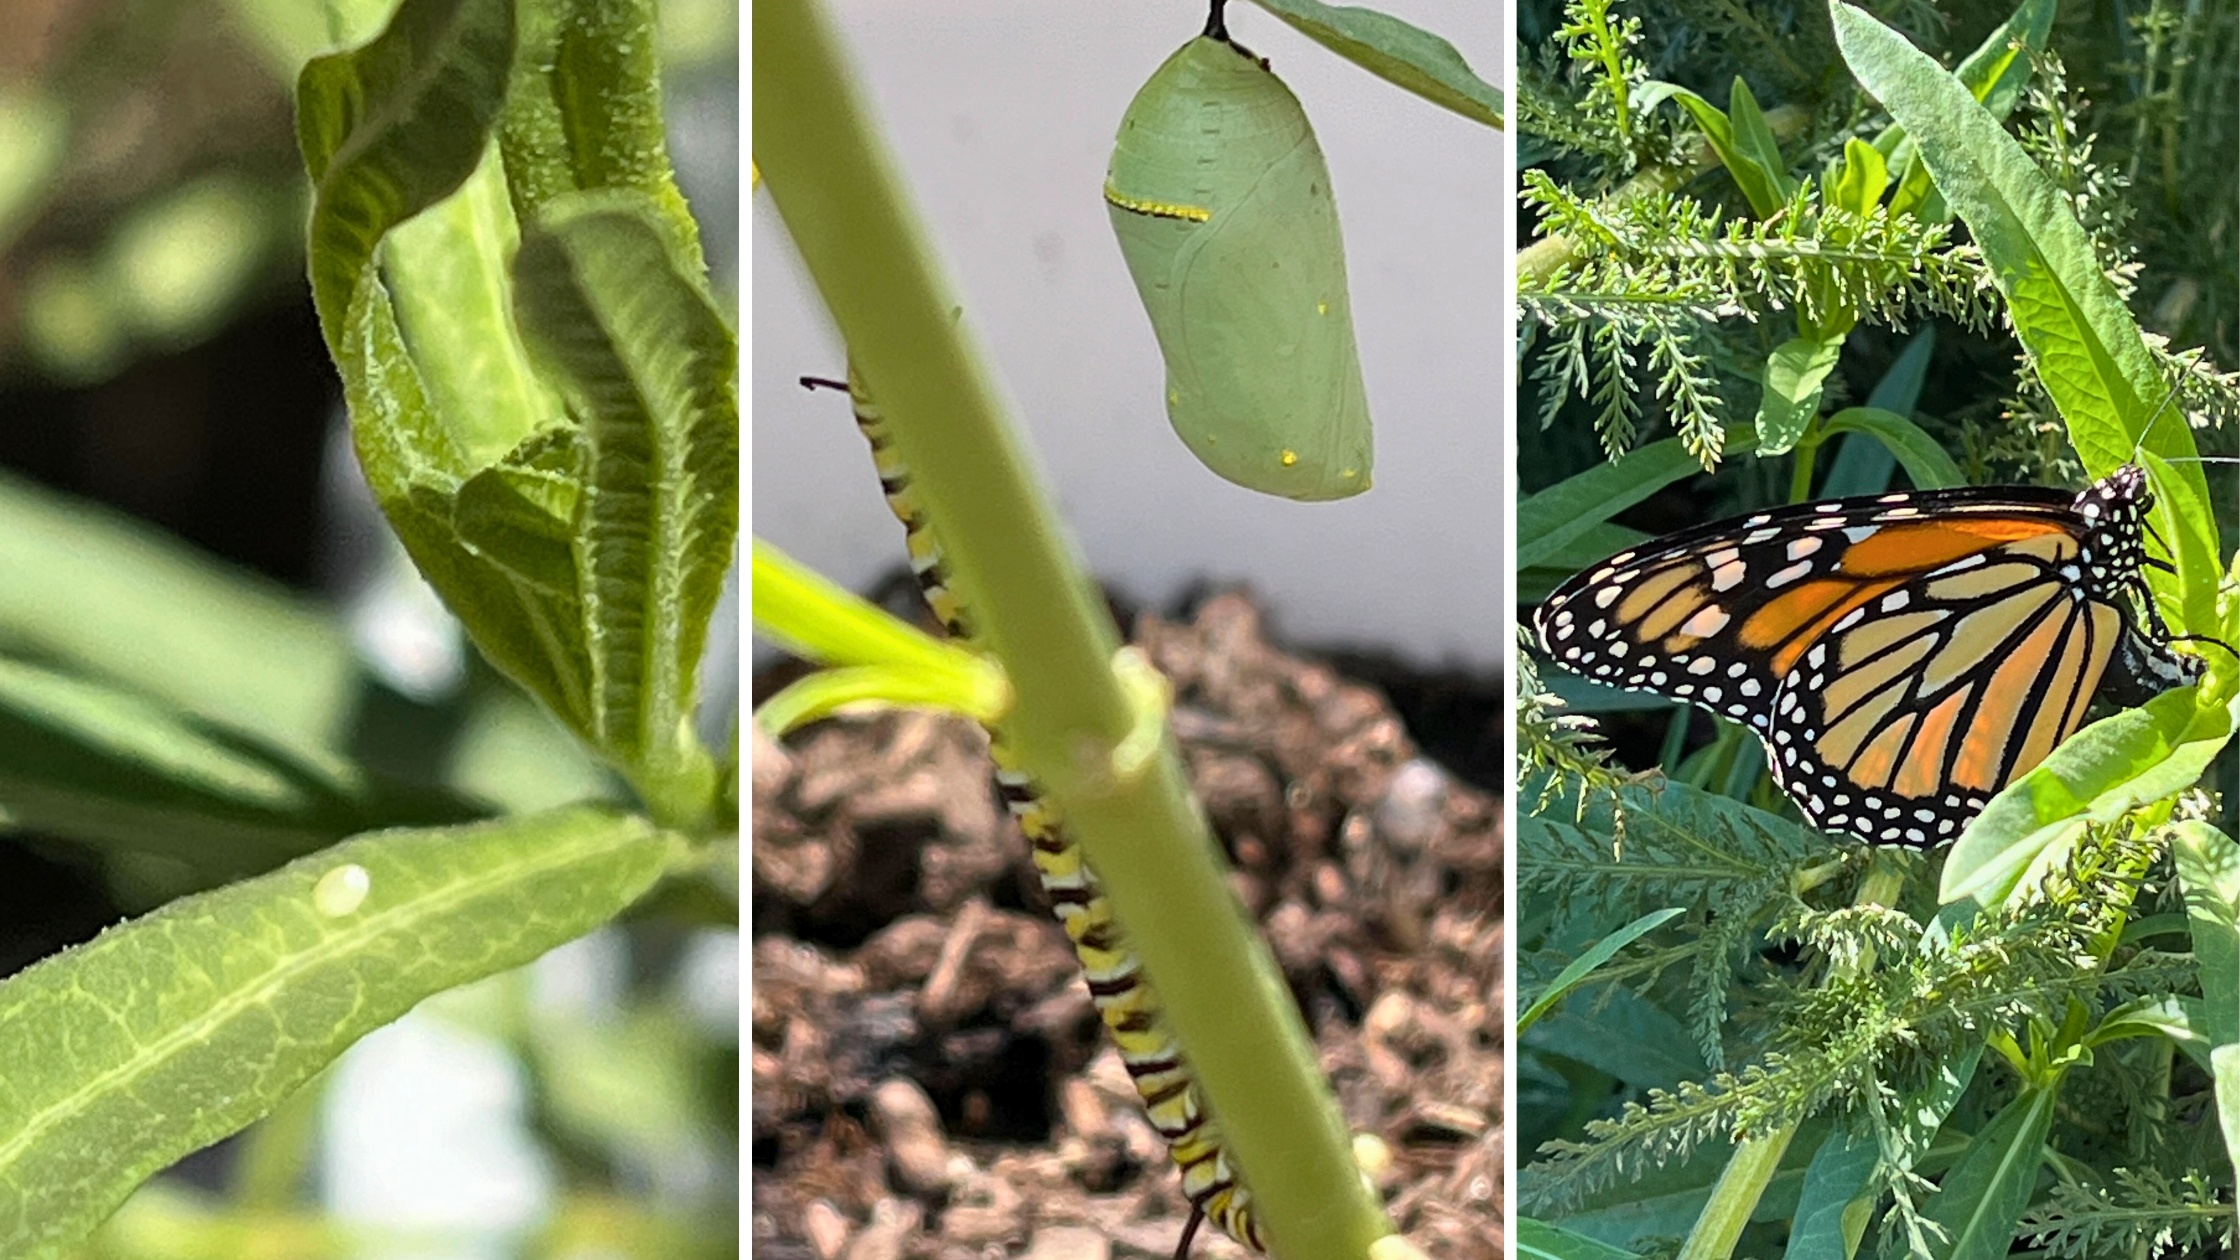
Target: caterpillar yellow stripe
[1124, 998]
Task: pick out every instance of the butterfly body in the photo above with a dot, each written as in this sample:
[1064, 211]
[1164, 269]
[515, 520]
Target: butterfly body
[1902, 656]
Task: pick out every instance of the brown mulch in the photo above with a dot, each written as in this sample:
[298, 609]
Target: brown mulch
[929, 1078]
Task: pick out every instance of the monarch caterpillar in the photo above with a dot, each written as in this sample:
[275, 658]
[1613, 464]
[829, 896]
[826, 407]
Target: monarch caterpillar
[1124, 998]
[1902, 657]
[1222, 204]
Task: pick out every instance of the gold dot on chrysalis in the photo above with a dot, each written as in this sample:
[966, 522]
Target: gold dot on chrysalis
[1322, 308]
[341, 891]
[1290, 458]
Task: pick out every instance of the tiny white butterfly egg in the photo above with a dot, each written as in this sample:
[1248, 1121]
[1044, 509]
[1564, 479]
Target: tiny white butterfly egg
[342, 890]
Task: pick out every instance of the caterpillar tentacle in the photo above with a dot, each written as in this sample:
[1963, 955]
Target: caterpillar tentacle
[1124, 998]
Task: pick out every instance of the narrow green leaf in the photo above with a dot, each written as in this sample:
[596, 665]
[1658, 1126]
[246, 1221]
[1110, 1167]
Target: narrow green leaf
[1795, 374]
[815, 618]
[115, 599]
[1925, 461]
[2097, 775]
[1604, 950]
[1981, 1200]
[1548, 522]
[1393, 50]
[1759, 185]
[615, 312]
[1754, 140]
[1597, 541]
[1538, 1240]
[1863, 466]
[2163, 1015]
[393, 127]
[1863, 178]
[185, 1026]
[1996, 72]
[2087, 348]
[1832, 1211]
[487, 548]
[2224, 1065]
[1628, 1036]
[2209, 872]
[829, 691]
[90, 763]
[445, 270]
[584, 112]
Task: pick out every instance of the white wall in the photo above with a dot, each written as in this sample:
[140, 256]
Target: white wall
[1003, 115]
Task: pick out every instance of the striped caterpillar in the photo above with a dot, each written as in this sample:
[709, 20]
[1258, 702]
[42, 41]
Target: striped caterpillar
[1124, 998]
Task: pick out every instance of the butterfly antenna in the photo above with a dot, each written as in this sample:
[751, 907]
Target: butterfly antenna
[823, 382]
[2206, 638]
[2175, 389]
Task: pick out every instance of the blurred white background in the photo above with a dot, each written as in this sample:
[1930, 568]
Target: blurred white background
[1003, 116]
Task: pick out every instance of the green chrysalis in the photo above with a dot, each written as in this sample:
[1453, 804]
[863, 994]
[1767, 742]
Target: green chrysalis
[1221, 200]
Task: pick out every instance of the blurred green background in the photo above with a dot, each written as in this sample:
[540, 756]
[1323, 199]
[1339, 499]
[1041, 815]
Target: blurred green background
[180, 516]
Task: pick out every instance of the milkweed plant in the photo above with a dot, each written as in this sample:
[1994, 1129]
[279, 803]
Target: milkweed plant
[1084, 720]
[1956, 244]
[542, 395]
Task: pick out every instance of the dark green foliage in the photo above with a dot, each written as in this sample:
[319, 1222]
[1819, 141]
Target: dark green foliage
[1706, 185]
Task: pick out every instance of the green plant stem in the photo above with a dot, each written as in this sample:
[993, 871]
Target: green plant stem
[1544, 257]
[1735, 1196]
[1800, 467]
[1613, 67]
[1755, 1160]
[836, 187]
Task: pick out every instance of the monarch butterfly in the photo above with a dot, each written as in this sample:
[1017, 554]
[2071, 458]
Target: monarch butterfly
[1221, 201]
[1902, 657]
[1124, 998]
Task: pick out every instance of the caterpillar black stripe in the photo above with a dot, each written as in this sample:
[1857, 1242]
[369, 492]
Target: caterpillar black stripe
[1123, 996]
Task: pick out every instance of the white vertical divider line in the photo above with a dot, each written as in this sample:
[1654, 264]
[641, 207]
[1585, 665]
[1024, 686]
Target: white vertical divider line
[1506, 374]
[745, 709]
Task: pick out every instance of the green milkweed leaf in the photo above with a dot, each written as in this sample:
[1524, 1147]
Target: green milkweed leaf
[2209, 873]
[1982, 1199]
[1740, 138]
[1395, 51]
[392, 127]
[881, 659]
[2224, 1066]
[96, 594]
[1794, 377]
[1996, 72]
[1862, 466]
[188, 1024]
[2096, 775]
[1572, 976]
[1550, 521]
[446, 276]
[583, 113]
[646, 363]
[2087, 348]
[1925, 461]
[1538, 1240]
[1861, 180]
[1832, 1211]
[95, 764]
